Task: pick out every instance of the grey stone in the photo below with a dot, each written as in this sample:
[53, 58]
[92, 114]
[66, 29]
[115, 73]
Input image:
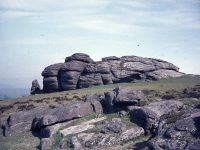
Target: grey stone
[75, 144]
[166, 144]
[52, 70]
[111, 58]
[35, 88]
[75, 110]
[45, 143]
[69, 79]
[50, 84]
[114, 126]
[107, 78]
[149, 116]
[89, 80]
[79, 57]
[163, 73]
[80, 71]
[97, 107]
[22, 121]
[184, 134]
[95, 97]
[109, 101]
[74, 66]
[126, 97]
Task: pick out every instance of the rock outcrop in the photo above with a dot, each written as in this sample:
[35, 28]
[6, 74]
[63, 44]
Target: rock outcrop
[183, 134]
[35, 88]
[80, 71]
[150, 116]
[41, 117]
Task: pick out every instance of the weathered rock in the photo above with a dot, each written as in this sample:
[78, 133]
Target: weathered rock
[22, 121]
[138, 66]
[97, 107]
[35, 88]
[131, 134]
[38, 118]
[75, 144]
[149, 116]
[45, 144]
[97, 102]
[166, 144]
[114, 126]
[74, 65]
[80, 71]
[95, 97]
[75, 110]
[111, 58]
[163, 73]
[109, 101]
[89, 80]
[69, 79]
[101, 67]
[52, 70]
[184, 134]
[96, 141]
[79, 57]
[126, 97]
[51, 84]
[49, 131]
[125, 75]
[107, 78]
[84, 126]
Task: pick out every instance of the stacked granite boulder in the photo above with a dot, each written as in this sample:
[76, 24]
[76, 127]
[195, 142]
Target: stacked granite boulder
[80, 71]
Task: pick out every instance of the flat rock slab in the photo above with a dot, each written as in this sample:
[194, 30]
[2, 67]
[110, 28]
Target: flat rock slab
[49, 131]
[100, 140]
[84, 126]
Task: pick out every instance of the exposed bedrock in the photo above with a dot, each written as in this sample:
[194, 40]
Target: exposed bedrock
[80, 71]
[42, 117]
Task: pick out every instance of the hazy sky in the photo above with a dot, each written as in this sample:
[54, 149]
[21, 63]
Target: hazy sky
[37, 33]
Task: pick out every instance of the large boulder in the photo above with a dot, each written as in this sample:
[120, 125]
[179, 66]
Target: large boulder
[69, 79]
[22, 121]
[79, 57]
[74, 65]
[35, 88]
[74, 110]
[40, 117]
[51, 84]
[183, 134]
[126, 97]
[151, 115]
[52, 70]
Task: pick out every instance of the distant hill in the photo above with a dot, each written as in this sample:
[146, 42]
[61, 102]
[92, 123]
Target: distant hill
[10, 93]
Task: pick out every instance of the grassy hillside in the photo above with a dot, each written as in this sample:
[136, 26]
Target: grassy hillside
[171, 87]
[62, 98]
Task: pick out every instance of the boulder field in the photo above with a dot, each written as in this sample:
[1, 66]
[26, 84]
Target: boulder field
[117, 119]
[80, 71]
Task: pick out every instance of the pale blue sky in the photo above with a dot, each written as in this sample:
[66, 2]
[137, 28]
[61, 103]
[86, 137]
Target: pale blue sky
[37, 33]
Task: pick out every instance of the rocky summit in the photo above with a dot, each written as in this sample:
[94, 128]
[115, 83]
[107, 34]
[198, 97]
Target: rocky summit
[80, 71]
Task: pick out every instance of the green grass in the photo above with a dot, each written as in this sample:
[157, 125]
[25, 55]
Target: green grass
[23, 141]
[61, 98]
[163, 84]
